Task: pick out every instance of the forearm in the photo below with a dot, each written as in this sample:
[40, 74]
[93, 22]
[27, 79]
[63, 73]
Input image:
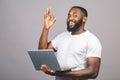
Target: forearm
[43, 42]
[49, 20]
[91, 70]
[84, 73]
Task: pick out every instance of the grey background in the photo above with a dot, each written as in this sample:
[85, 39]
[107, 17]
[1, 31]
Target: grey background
[21, 24]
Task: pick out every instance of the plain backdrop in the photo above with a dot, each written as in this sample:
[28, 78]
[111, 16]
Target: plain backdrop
[21, 23]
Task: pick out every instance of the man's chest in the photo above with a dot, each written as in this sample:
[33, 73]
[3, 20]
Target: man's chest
[73, 45]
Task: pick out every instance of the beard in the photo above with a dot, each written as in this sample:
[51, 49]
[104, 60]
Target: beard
[75, 27]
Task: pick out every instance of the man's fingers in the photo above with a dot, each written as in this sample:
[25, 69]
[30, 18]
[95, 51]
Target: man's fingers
[49, 11]
[54, 19]
[47, 70]
[43, 67]
[46, 13]
[49, 19]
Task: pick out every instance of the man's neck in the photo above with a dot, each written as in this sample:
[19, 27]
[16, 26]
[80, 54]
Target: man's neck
[79, 31]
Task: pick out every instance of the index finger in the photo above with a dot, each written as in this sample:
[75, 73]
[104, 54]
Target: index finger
[49, 11]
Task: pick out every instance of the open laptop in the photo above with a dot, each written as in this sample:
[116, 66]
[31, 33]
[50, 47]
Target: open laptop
[45, 56]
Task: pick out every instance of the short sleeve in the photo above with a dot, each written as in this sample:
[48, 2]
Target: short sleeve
[55, 42]
[94, 48]
[58, 39]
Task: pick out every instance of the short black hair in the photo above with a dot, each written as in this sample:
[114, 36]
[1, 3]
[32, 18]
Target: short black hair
[82, 9]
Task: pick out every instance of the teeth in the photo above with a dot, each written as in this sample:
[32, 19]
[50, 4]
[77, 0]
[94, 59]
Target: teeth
[71, 23]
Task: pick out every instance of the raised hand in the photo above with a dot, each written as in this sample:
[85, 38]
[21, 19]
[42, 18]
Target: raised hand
[49, 19]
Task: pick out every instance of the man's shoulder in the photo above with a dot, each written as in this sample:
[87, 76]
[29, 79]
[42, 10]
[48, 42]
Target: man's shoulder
[91, 35]
[92, 38]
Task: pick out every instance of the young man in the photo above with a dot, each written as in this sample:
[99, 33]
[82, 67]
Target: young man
[75, 47]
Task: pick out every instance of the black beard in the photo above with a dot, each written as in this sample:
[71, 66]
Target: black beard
[75, 28]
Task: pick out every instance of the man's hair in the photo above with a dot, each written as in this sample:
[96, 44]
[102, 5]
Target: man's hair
[82, 9]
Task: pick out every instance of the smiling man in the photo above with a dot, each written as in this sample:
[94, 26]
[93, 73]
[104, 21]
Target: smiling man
[75, 47]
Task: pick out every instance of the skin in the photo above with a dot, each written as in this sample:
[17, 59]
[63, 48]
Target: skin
[93, 63]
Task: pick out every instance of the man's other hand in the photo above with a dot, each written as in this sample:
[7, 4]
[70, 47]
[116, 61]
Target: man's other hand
[47, 70]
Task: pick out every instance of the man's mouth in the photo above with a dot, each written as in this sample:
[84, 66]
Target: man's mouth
[71, 23]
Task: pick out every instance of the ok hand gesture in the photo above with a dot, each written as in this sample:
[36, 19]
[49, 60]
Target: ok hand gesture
[49, 19]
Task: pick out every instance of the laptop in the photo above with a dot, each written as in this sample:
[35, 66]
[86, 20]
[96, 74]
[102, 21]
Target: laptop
[45, 56]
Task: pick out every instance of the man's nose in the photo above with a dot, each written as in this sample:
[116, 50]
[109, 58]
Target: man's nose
[70, 18]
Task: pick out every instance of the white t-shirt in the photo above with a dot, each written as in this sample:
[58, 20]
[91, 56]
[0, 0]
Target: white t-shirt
[72, 50]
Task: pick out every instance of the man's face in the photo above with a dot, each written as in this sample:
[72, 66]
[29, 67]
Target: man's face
[74, 20]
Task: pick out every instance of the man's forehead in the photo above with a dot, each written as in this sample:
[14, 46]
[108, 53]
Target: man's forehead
[75, 10]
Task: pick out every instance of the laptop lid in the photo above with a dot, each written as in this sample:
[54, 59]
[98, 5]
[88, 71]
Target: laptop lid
[44, 56]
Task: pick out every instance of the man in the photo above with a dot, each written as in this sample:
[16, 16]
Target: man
[75, 47]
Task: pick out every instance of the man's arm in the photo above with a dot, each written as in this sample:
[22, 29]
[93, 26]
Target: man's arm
[91, 70]
[49, 20]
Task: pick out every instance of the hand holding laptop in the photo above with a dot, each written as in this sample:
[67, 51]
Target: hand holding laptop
[47, 57]
[47, 70]
[50, 71]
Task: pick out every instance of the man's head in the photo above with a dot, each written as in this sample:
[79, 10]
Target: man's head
[77, 17]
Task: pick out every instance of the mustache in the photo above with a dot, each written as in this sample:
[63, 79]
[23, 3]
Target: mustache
[70, 21]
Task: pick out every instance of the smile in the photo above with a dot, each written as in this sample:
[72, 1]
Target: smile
[71, 23]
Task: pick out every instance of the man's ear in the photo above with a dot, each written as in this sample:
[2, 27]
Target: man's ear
[84, 19]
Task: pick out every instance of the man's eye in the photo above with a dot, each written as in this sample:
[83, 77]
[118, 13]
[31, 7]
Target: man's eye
[68, 15]
[75, 16]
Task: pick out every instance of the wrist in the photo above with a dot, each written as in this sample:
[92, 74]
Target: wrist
[46, 28]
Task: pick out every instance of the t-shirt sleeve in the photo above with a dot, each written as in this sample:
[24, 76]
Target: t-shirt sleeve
[58, 39]
[94, 48]
[55, 42]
